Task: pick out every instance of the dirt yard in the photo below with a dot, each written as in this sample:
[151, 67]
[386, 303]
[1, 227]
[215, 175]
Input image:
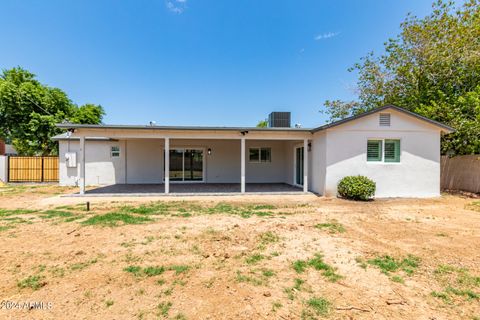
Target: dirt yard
[262, 257]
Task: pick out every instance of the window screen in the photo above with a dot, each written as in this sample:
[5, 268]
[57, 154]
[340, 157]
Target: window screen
[392, 150]
[374, 150]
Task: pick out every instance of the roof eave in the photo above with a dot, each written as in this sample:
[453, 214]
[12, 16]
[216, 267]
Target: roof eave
[179, 128]
[87, 138]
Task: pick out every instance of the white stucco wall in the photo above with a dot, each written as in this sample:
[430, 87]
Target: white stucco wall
[289, 159]
[223, 164]
[144, 161]
[3, 168]
[100, 168]
[416, 175]
[290, 147]
[318, 162]
[268, 172]
[141, 161]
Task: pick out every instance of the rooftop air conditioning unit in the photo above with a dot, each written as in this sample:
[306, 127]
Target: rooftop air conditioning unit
[279, 120]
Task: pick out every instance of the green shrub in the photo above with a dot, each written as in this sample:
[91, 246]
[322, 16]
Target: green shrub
[356, 188]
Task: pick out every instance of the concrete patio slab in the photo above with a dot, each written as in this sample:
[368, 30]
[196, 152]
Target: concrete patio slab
[190, 189]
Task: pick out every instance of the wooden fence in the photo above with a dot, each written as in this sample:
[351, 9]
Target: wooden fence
[32, 169]
[461, 173]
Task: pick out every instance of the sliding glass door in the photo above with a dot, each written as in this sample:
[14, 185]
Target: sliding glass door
[193, 165]
[186, 165]
[299, 166]
[176, 165]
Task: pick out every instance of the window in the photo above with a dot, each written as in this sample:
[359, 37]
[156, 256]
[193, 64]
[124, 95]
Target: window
[115, 151]
[390, 153]
[260, 155]
[265, 155]
[254, 155]
[384, 119]
[374, 150]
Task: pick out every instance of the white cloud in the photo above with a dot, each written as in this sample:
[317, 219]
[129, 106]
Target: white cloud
[326, 35]
[176, 6]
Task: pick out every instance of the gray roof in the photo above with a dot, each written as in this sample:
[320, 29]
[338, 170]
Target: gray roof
[180, 128]
[444, 127]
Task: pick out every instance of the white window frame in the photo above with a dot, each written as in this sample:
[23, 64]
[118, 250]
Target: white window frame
[259, 154]
[295, 147]
[382, 161]
[114, 153]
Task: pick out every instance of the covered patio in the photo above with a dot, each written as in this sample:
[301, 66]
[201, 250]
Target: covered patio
[152, 160]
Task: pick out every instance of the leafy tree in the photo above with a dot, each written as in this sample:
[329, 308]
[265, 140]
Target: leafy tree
[433, 68]
[88, 114]
[262, 124]
[29, 111]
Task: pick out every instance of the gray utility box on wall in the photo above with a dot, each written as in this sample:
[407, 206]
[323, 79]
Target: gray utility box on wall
[279, 120]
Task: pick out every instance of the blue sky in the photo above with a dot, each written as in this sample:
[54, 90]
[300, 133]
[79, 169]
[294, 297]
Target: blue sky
[199, 62]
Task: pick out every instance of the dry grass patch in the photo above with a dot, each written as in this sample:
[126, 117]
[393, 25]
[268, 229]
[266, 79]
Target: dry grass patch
[332, 226]
[114, 219]
[457, 283]
[316, 306]
[317, 263]
[34, 282]
[393, 267]
[256, 277]
[475, 206]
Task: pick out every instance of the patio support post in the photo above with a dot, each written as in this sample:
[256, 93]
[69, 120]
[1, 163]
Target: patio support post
[81, 180]
[242, 164]
[305, 165]
[167, 165]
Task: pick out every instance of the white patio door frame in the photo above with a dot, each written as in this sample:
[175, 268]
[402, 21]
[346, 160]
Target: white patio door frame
[295, 147]
[204, 166]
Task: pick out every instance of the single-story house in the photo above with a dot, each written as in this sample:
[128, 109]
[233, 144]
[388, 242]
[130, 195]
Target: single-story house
[396, 148]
